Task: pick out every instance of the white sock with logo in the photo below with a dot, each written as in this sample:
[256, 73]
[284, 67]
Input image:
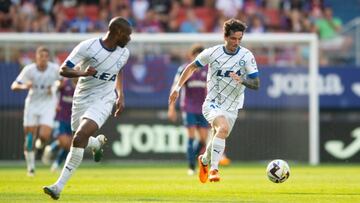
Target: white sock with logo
[207, 154]
[73, 161]
[93, 143]
[217, 151]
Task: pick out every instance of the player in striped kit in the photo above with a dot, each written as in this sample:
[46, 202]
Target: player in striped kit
[40, 104]
[231, 68]
[98, 63]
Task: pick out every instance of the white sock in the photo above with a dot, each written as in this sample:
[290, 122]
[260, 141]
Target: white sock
[73, 161]
[30, 160]
[207, 154]
[218, 148]
[93, 143]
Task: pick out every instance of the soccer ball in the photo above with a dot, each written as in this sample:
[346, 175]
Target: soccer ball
[278, 171]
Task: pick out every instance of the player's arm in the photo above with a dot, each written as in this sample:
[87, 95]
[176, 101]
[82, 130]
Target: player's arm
[252, 82]
[17, 86]
[172, 115]
[71, 69]
[186, 74]
[71, 72]
[22, 81]
[120, 101]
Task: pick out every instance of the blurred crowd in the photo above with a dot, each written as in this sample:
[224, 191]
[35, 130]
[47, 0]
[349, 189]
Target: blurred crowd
[186, 16]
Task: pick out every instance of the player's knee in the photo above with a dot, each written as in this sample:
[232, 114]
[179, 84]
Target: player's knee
[79, 139]
[223, 131]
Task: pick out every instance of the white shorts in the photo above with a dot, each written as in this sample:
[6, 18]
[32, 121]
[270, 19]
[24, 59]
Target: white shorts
[211, 111]
[33, 117]
[39, 113]
[97, 111]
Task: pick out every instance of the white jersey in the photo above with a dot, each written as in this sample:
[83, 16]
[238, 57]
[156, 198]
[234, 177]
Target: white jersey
[107, 63]
[39, 97]
[221, 88]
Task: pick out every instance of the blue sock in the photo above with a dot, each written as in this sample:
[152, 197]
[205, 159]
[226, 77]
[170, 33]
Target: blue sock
[61, 156]
[191, 153]
[54, 145]
[29, 141]
[198, 148]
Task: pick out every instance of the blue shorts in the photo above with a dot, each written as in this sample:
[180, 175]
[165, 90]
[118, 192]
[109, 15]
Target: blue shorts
[194, 119]
[62, 128]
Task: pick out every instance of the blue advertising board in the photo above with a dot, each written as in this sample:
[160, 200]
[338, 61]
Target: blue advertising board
[288, 88]
[147, 85]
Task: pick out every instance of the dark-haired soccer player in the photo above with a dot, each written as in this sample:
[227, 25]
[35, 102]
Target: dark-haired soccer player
[231, 68]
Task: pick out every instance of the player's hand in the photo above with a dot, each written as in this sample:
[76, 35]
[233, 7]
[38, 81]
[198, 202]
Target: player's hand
[90, 71]
[235, 77]
[28, 85]
[120, 105]
[173, 97]
[172, 115]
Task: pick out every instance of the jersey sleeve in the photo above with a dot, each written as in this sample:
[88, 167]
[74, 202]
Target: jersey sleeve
[203, 58]
[77, 55]
[24, 76]
[251, 66]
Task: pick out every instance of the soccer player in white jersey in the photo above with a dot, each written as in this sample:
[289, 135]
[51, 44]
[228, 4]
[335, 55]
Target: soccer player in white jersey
[98, 63]
[40, 104]
[231, 68]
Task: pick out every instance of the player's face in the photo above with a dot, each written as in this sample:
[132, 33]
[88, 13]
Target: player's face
[42, 58]
[124, 37]
[232, 41]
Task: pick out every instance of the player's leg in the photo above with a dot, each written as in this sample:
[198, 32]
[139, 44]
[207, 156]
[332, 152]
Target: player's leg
[87, 128]
[190, 151]
[50, 149]
[29, 152]
[203, 132]
[44, 137]
[206, 157]
[86, 121]
[189, 121]
[64, 141]
[222, 128]
[46, 123]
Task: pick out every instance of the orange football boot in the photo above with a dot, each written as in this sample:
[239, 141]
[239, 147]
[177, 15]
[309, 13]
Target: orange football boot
[203, 170]
[214, 176]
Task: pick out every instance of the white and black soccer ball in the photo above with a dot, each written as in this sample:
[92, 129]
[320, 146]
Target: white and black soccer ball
[278, 171]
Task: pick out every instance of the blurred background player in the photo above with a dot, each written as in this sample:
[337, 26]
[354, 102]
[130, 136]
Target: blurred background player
[98, 64]
[192, 97]
[231, 69]
[62, 133]
[40, 104]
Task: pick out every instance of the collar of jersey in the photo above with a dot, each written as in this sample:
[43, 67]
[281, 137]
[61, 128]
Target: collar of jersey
[103, 46]
[228, 53]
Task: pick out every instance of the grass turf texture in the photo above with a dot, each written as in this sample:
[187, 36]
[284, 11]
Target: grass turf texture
[168, 182]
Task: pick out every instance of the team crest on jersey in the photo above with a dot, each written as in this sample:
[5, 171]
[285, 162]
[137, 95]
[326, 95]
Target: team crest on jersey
[242, 63]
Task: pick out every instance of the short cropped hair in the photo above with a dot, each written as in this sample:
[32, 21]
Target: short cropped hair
[233, 25]
[196, 49]
[41, 49]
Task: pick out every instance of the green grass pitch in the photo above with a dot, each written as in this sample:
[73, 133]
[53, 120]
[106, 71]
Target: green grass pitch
[168, 182]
